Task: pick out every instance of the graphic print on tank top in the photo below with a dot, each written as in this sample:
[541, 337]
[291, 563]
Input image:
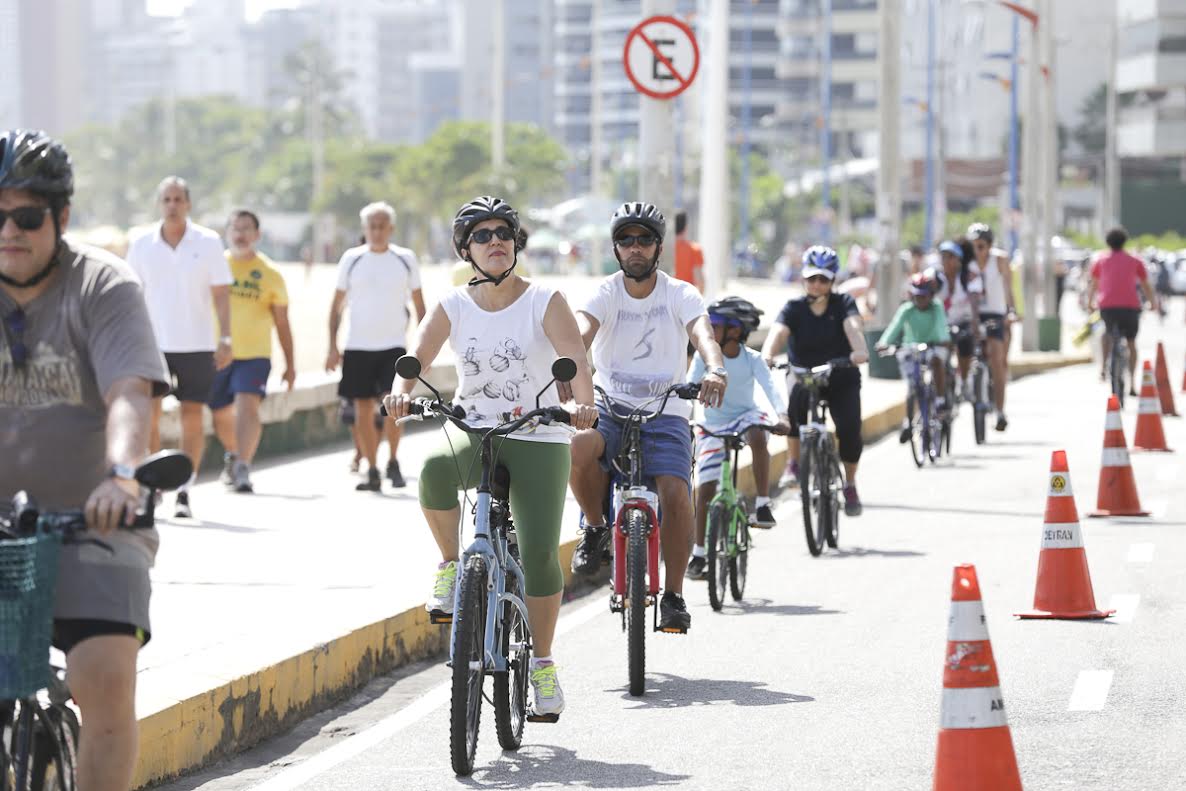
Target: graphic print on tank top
[493, 371]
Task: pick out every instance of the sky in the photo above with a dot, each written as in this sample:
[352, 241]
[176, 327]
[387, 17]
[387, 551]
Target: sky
[255, 8]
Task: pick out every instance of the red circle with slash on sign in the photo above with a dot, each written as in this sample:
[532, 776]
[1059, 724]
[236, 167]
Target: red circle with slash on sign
[661, 57]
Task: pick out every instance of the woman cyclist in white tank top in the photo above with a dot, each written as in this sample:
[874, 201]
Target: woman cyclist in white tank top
[996, 307]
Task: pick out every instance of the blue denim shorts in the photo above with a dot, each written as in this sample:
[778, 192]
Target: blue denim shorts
[241, 376]
[666, 445]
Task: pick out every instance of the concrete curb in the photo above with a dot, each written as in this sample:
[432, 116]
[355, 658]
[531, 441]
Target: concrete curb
[240, 714]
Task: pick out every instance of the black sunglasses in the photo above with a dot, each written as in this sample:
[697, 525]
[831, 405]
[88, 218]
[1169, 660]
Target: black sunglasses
[484, 235]
[14, 323]
[642, 240]
[27, 218]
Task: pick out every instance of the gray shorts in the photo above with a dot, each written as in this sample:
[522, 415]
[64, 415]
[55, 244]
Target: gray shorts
[107, 583]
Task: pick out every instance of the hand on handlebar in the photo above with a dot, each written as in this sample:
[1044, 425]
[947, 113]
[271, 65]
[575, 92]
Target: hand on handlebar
[782, 428]
[397, 405]
[859, 357]
[111, 504]
[582, 416]
[712, 390]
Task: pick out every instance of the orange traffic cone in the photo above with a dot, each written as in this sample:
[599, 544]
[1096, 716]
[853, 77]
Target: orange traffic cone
[1163, 384]
[1149, 434]
[1064, 583]
[1118, 489]
[975, 747]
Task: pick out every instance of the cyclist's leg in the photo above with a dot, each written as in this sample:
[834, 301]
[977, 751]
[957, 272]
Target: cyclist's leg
[995, 348]
[844, 402]
[101, 673]
[760, 455]
[589, 474]
[710, 454]
[1131, 326]
[539, 478]
[667, 456]
[440, 478]
[797, 415]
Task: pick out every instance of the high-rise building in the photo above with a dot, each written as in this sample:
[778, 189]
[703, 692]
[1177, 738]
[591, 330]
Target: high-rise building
[42, 50]
[10, 62]
[528, 58]
[1151, 78]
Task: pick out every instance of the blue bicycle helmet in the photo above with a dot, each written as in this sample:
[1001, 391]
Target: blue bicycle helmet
[820, 260]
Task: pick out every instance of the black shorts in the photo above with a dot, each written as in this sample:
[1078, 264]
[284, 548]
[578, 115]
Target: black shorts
[964, 342]
[996, 330]
[192, 375]
[69, 632]
[367, 374]
[1127, 320]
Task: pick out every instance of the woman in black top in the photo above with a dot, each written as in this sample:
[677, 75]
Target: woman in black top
[814, 329]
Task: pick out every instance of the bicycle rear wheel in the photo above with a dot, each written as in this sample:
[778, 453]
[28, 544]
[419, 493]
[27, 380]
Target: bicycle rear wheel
[718, 555]
[510, 688]
[739, 563]
[1118, 367]
[469, 627]
[917, 441]
[811, 493]
[636, 600]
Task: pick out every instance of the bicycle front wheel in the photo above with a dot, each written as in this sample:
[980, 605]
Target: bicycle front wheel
[55, 750]
[636, 600]
[914, 414]
[810, 493]
[469, 638]
[718, 554]
[835, 485]
[739, 562]
[510, 688]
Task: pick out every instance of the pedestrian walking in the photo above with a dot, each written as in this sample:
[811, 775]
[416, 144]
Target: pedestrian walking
[689, 256]
[377, 280]
[259, 302]
[186, 281]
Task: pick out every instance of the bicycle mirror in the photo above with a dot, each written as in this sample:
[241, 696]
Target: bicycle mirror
[165, 470]
[564, 369]
[408, 367]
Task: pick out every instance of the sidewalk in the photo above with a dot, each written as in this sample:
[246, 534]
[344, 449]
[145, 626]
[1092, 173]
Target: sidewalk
[269, 607]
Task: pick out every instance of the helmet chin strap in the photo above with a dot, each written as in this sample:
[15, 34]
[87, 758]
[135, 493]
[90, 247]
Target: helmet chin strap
[489, 278]
[650, 270]
[37, 278]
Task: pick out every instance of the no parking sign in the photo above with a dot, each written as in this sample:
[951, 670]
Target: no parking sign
[661, 57]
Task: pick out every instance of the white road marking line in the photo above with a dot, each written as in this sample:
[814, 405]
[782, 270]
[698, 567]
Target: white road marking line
[1091, 690]
[1125, 605]
[384, 729]
[1140, 553]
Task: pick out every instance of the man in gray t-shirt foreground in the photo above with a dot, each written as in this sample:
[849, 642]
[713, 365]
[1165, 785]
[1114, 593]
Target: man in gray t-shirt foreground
[79, 366]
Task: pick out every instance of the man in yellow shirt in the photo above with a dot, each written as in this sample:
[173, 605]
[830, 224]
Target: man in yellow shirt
[259, 301]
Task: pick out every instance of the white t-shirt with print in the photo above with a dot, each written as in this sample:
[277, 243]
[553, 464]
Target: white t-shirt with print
[956, 299]
[378, 287]
[177, 282]
[641, 347]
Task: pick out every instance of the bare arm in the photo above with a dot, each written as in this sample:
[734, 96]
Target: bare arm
[1150, 295]
[854, 330]
[1092, 285]
[588, 326]
[284, 333]
[335, 321]
[129, 410]
[418, 302]
[434, 331]
[1007, 280]
[222, 307]
[776, 341]
[561, 328]
[712, 386]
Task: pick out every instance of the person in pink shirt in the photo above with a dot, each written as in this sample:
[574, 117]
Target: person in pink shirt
[1116, 277]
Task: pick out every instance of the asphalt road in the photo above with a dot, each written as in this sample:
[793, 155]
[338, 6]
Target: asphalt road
[828, 675]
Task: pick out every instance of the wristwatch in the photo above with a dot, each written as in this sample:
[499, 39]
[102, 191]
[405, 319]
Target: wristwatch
[719, 371]
[225, 340]
[123, 471]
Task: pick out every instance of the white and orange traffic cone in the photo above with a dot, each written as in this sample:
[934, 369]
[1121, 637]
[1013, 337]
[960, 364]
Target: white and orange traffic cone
[1149, 436]
[1118, 488]
[975, 751]
[1164, 390]
[1063, 589]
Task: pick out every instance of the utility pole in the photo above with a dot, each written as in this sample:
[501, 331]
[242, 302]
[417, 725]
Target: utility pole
[596, 251]
[1050, 159]
[889, 182]
[1031, 184]
[928, 232]
[825, 88]
[941, 64]
[747, 121]
[316, 120]
[1014, 137]
[656, 171]
[1110, 215]
[714, 174]
[498, 154]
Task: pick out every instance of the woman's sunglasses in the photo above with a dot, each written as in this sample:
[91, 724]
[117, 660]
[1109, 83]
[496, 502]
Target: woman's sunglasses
[484, 235]
[27, 218]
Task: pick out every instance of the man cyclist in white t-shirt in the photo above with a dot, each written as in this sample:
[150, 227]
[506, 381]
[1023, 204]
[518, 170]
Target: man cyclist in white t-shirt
[186, 282]
[997, 311]
[378, 279]
[638, 323]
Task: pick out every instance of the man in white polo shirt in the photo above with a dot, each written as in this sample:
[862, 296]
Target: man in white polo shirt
[186, 281]
[377, 279]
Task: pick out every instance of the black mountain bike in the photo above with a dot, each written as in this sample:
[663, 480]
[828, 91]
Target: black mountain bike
[821, 478]
[38, 729]
[491, 633]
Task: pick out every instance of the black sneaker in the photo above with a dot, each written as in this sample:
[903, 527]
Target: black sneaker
[764, 517]
[181, 509]
[904, 435]
[673, 613]
[373, 483]
[587, 557]
[696, 568]
[394, 475]
[1002, 423]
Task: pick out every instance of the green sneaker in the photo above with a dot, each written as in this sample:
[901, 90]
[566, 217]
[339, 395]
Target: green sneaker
[444, 589]
[549, 698]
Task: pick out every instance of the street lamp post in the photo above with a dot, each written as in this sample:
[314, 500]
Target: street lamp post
[747, 91]
[826, 125]
[1014, 204]
[929, 188]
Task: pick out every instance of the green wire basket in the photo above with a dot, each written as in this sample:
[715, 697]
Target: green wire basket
[28, 577]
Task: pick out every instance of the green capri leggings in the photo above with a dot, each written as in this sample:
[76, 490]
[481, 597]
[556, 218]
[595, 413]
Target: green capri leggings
[539, 480]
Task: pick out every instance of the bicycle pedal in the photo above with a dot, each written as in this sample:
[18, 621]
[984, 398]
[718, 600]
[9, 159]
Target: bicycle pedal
[550, 719]
[672, 630]
[440, 618]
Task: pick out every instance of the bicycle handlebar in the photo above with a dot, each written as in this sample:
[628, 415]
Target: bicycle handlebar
[426, 408]
[688, 391]
[740, 433]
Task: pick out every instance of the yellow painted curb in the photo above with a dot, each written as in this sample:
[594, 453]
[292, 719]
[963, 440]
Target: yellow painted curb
[240, 714]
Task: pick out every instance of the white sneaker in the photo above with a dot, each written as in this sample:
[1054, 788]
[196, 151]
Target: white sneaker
[444, 588]
[549, 698]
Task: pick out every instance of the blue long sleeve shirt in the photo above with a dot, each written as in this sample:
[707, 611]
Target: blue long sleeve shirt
[745, 371]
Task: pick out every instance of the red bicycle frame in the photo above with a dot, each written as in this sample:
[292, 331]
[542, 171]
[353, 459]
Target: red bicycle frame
[632, 502]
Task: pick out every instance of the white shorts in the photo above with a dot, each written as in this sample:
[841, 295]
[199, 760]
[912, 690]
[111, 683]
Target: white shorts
[710, 451]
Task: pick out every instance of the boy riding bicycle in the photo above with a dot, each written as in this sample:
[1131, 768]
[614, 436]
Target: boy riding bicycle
[733, 319]
[922, 320]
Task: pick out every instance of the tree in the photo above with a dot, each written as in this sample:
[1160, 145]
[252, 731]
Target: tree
[1091, 133]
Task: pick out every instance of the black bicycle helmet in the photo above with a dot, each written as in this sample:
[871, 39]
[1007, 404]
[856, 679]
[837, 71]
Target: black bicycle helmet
[649, 217]
[980, 230]
[737, 309]
[36, 162]
[480, 209]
